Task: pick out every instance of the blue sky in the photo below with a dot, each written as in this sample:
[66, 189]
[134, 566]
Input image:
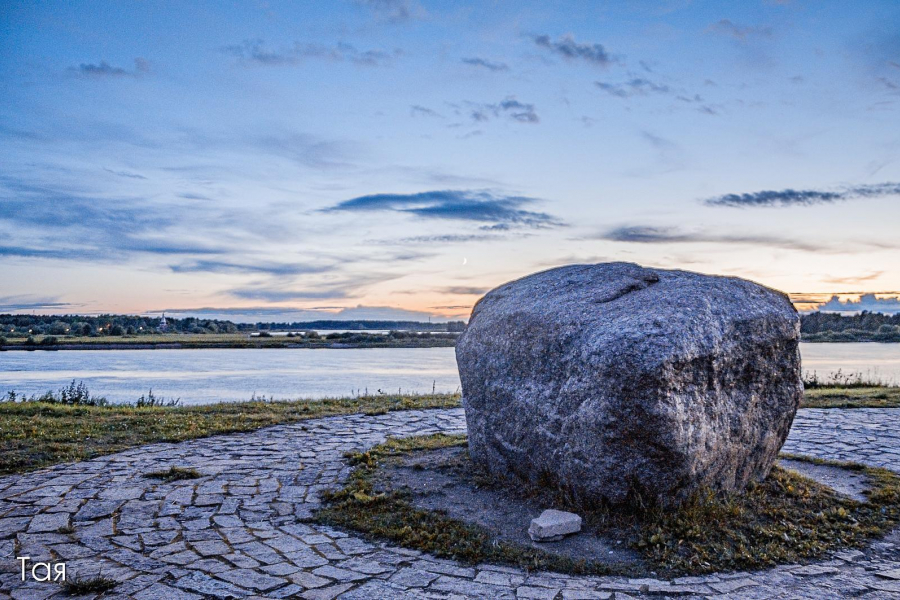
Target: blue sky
[397, 158]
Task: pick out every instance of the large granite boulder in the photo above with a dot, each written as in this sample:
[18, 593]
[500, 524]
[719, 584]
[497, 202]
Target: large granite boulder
[616, 382]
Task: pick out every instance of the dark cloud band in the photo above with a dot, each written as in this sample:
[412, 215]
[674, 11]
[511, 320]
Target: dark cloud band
[790, 197]
[466, 205]
[643, 234]
[569, 49]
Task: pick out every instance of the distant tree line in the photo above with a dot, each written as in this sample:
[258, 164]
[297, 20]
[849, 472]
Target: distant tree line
[45, 329]
[111, 325]
[863, 327]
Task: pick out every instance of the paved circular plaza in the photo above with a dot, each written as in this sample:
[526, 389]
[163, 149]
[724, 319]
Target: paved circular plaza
[236, 531]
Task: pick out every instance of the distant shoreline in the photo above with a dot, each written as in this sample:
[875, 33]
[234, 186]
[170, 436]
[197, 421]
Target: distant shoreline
[358, 339]
[212, 345]
[283, 343]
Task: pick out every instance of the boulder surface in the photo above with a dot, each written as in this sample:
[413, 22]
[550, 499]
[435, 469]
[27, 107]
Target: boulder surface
[615, 382]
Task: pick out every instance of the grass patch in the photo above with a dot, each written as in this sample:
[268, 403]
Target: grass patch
[174, 474]
[390, 516]
[93, 585]
[852, 397]
[785, 519]
[39, 434]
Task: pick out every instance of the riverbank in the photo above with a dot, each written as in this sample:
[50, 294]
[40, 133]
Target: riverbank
[39, 434]
[234, 340]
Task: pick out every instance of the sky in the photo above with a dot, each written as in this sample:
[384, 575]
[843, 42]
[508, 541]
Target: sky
[399, 158]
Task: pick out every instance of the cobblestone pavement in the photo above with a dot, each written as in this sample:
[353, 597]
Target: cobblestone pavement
[235, 531]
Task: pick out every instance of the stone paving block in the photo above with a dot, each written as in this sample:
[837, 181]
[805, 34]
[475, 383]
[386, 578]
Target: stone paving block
[380, 589]
[725, 587]
[413, 578]
[48, 522]
[95, 509]
[498, 578]
[338, 574]
[446, 583]
[251, 579]
[280, 569]
[326, 593]
[211, 548]
[813, 570]
[308, 580]
[570, 594]
[890, 574]
[210, 587]
[158, 591]
[536, 593]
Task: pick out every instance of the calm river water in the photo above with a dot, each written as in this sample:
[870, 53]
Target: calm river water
[206, 376]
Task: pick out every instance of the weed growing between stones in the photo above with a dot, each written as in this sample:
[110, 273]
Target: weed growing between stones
[174, 474]
[785, 519]
[93, 585]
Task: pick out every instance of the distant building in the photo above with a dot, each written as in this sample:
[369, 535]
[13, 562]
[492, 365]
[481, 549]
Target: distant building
[163, 325]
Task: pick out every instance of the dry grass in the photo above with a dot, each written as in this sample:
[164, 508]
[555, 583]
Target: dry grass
[38, 434]
[852, 397]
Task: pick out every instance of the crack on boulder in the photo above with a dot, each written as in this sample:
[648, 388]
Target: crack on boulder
[641, 284]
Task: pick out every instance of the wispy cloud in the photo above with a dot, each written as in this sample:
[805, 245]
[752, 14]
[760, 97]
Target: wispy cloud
[509, 107]
[424, 111]
[448, 238]
[301, 148]
[127, 174]
[58, 224]
[393, 11]
[284, 294]
[739, 32]
[854, 278]
[27, 302]
[486, 64]
[466, 205]
[264, 267]
[569, 49]
[105, 70]
[791, 197]
[255, 52]
[638, 86]
[288, 314]
[464, 290]
[642, 234]
[335, 287]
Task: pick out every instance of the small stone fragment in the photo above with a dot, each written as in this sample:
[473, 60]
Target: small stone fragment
[554, 525]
